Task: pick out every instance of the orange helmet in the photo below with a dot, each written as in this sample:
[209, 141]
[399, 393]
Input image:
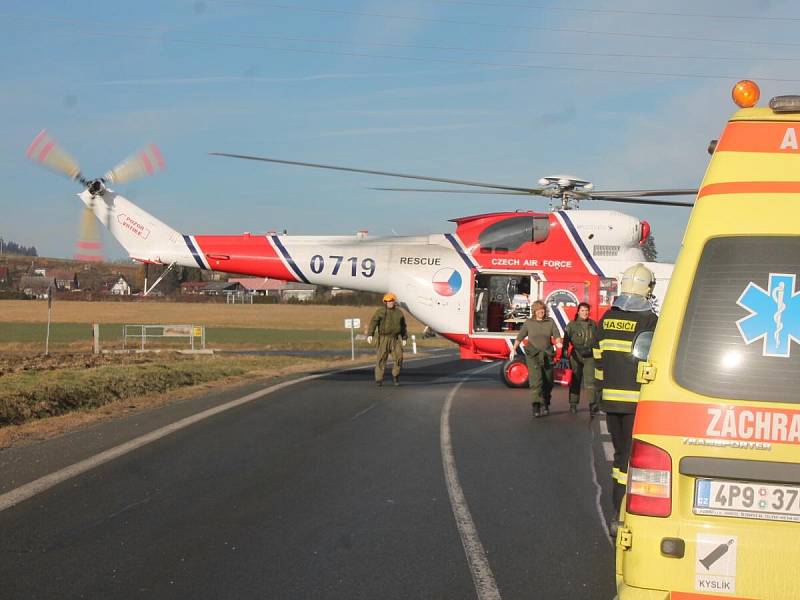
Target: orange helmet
[389, 297]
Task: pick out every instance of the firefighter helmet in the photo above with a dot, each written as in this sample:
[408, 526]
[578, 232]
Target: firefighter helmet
[638, 280]
[390, 297]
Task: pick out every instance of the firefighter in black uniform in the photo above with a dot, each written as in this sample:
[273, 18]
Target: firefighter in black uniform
[616, 367]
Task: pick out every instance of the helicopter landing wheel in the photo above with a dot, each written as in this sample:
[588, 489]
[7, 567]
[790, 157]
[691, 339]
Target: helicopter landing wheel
[514, 373]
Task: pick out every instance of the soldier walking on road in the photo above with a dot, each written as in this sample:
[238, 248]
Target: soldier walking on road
[582, 334]
[541, 332]
[630, 316]
[390, 325]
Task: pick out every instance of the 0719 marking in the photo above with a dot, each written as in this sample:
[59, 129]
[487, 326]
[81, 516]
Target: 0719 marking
[367, 265]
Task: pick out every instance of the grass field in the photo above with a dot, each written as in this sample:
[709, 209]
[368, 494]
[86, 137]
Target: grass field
[283, 326]
[264, 316]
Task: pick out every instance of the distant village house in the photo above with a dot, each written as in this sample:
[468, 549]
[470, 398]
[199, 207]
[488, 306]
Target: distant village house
[36, 286]
[261, 286]
[119, 286]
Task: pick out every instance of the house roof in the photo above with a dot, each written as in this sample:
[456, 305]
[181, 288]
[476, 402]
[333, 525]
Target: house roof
[221, 286]
[299, 287]
[36, 282]
[61, 274]
[261, 284]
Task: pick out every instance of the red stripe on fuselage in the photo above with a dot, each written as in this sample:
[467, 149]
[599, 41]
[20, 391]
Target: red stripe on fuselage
[248, 255]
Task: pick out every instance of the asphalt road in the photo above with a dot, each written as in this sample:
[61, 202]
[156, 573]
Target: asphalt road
[328, 488]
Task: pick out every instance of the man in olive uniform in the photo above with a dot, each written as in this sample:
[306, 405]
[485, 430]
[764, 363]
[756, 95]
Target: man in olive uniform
[581, 333]
[541, 331]
[616, 367]
[390, 325]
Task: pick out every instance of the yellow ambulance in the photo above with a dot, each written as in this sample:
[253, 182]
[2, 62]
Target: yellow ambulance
[713, 499]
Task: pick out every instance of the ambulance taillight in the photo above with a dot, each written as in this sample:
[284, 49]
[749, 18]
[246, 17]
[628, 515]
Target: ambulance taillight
[649, 481]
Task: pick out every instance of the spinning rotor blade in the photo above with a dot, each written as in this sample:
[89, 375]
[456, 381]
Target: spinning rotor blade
[387, 173]
[46, 151]
[145, 162]
[494, 192]
[637, 200]
[88, 248]
[644, 193]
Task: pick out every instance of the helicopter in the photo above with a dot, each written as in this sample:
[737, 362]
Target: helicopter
[462, 285]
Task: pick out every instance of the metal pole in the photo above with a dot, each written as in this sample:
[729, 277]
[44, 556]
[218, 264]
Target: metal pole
[352, 341]
[49, 310]
[414, 343]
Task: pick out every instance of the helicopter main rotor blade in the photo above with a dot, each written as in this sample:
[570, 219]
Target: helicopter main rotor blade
[636, 200]
[386, 173]
[645, 193]
[494, 192]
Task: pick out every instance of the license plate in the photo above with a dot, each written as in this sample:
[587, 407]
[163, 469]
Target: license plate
[747, 500]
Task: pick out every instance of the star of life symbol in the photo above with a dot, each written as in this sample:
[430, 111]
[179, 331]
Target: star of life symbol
[774, 314]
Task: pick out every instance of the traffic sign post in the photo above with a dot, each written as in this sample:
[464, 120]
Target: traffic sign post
[352, 325]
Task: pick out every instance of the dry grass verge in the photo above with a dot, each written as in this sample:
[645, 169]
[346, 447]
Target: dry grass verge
[37, 403]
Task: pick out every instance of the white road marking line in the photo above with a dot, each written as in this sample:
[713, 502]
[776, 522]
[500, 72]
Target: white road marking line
[603, 426]
[482, 576]
[366, 410]
[598, 491]
[44, 483]
[608, 450]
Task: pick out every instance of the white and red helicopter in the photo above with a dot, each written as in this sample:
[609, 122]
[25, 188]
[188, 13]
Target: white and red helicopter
[463, 285]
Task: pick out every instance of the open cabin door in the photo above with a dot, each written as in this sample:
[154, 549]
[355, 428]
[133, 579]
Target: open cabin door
[502, 301]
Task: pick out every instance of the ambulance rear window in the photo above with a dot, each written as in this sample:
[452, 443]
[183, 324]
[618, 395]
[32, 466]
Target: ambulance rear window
[741, 333]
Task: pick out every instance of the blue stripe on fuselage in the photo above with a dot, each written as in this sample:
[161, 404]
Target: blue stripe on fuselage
[576, 236]
[194, 251]
[450, 238]
[289, 258]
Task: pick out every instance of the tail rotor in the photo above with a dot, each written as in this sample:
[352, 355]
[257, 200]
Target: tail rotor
[45, 151]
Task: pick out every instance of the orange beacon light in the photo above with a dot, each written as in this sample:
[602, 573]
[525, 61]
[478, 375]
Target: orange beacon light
[745, 93]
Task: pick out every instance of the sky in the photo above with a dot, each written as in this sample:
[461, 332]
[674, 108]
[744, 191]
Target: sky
[624, 93]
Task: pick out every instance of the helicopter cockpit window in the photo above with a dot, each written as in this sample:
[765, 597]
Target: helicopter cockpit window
[510, 234]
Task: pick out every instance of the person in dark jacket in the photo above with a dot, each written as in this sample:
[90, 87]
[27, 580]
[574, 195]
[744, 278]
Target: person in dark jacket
[581, 334]
[630, 316]
[389, 324]
[542, 333]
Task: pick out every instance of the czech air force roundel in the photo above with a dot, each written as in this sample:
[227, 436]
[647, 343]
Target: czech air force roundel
[447, 282]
